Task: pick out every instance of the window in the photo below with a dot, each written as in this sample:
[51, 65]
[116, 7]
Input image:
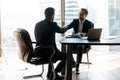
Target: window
[98, 12]
[24, 14]
[114, 17]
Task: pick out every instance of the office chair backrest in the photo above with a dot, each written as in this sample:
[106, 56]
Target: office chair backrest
[24, 44]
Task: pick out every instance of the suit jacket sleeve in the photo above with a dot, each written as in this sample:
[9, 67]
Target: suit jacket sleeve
[60, 30]
[71, 25]
[91, 25]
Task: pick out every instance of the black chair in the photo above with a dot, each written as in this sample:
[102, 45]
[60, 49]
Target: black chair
[32, 55]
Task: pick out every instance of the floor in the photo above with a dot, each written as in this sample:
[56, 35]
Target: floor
[105, 66]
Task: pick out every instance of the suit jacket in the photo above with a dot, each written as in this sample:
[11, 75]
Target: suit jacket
[45, 32]
[86, 26]
[75, 25]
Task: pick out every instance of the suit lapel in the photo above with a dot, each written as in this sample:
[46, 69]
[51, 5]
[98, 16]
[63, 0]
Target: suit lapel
[76, 26]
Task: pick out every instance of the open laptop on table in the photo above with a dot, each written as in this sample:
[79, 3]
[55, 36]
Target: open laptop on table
[94, 34]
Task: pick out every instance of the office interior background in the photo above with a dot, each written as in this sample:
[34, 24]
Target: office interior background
[104, 14]
[26, 13]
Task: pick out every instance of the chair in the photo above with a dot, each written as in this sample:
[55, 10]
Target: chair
[84, 52]
[29, 54]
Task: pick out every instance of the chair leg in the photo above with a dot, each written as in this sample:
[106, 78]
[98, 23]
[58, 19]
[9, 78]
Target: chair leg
[33, 76]
[22, 69]
[53, 71]
[88, 59]
[42, 70]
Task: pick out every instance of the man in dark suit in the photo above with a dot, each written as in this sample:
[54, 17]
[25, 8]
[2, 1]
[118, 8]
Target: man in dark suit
[80, 27]
[45, 31]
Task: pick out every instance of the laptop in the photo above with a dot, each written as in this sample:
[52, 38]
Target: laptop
[94, 34]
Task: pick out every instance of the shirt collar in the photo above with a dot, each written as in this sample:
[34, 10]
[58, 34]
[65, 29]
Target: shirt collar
[82, 21]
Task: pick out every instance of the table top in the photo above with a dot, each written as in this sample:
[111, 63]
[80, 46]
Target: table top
[83, 41]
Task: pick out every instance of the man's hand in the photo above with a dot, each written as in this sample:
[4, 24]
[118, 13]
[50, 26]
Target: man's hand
[82, 34]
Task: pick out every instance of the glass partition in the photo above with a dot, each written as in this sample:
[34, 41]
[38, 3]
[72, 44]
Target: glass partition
[114, 17]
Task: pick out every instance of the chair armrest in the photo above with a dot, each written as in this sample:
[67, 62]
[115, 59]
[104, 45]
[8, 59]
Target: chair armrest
[42, 47]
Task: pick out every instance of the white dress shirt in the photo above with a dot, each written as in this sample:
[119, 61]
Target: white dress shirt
[79, 29]
[80, 26]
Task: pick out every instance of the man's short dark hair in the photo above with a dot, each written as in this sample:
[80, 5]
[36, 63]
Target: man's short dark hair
[85, 10]
[49, 12]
